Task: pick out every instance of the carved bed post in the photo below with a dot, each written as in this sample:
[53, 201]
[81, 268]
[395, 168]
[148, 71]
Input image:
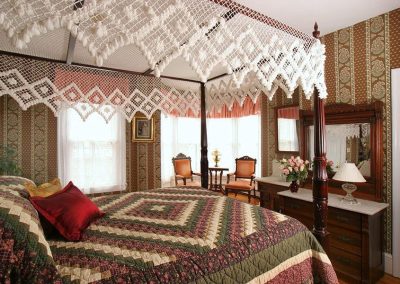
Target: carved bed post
[203, 142]
[320, 178]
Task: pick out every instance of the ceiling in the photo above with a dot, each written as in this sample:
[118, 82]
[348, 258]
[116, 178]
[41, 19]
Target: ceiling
[330, 15]
[300, 14]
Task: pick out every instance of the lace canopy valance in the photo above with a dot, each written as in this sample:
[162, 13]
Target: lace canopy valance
[89, 90]
[259, 53]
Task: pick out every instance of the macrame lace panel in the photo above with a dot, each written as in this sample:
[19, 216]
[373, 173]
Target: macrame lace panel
[204, 33]
[89, 90]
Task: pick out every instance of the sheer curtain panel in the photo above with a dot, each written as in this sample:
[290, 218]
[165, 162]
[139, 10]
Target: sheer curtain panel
[92, 153]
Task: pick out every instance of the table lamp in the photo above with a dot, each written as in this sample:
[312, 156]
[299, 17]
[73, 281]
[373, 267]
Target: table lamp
[349, 172]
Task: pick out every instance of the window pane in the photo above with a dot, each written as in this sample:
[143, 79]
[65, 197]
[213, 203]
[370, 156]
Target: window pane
[92, 152]
[287, 135]
[221, 136]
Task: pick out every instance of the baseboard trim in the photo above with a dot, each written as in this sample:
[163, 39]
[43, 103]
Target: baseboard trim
[388, 260]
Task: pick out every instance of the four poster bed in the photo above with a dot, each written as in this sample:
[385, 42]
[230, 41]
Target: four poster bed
[203, 237]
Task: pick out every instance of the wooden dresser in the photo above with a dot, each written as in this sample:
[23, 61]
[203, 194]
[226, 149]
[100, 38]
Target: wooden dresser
[269, 188]
[356, 233]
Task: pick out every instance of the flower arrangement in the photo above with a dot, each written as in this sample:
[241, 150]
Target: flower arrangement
[216, 156]
[329, 168]
[294, 168]
[330, 165]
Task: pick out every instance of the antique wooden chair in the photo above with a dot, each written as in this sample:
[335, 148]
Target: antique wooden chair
[183, 171]
[244, 176]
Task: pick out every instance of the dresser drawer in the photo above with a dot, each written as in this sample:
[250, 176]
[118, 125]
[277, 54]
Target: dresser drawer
[306, 221]
[296, 207]
[346, 264]
[346, 240]
[265, 200]
[344, 219]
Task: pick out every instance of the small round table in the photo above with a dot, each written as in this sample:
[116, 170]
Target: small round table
[216, 186]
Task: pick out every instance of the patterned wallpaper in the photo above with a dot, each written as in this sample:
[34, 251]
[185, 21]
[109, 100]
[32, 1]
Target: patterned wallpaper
[144, 160]
[33, 133]
[358, 64]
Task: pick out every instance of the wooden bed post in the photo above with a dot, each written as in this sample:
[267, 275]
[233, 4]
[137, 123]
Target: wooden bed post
[203, 142]
[320, 178]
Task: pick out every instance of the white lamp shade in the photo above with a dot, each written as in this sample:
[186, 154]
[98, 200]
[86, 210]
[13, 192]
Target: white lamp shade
[349, 172]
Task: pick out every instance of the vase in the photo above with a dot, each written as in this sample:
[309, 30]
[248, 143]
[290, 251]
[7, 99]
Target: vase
[294, 186]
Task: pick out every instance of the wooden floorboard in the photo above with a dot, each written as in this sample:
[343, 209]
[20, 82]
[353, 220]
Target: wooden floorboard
[386, 279]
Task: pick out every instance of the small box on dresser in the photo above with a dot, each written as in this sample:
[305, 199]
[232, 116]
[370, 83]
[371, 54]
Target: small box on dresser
[356, 233]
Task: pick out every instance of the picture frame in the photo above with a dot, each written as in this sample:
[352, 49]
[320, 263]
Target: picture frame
[142, 129]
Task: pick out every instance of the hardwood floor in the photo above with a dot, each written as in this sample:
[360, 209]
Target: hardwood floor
[386, 279]
[242, 197]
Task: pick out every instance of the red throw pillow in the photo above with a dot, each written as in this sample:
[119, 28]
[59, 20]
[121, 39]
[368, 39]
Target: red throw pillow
[68, 210]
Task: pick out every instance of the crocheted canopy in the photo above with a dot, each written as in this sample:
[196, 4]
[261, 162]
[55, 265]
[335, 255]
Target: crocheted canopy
[259, 53]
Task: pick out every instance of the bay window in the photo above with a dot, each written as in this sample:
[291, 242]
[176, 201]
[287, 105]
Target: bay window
[233, 137]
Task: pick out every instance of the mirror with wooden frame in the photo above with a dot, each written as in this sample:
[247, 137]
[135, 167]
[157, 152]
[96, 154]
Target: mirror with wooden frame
[353, 134]
[288, 127]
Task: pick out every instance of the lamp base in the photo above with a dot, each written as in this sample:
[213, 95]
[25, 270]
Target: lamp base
[349, 198]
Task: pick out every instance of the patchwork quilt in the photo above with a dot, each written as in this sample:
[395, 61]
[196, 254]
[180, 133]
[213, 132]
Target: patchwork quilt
[190, 235]
[25, 255]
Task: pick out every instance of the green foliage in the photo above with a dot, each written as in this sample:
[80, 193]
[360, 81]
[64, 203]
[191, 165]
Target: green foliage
[8, 161]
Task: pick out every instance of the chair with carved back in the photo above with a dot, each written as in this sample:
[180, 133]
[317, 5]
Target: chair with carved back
[183, 171]
[242, 180]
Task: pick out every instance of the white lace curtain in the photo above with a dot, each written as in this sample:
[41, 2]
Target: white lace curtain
[92, 154]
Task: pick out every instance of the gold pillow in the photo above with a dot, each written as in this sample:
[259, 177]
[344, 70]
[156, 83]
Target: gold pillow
[44, 190]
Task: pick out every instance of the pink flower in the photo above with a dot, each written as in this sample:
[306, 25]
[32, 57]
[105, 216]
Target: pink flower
[285, 172]
[330, 163]
[296, 169]
[302, 168]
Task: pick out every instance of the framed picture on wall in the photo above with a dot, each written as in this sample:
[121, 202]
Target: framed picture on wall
[142, 129]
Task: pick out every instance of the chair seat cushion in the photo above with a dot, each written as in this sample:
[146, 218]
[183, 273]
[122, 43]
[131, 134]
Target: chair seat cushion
[189, 183]
[240, 185]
